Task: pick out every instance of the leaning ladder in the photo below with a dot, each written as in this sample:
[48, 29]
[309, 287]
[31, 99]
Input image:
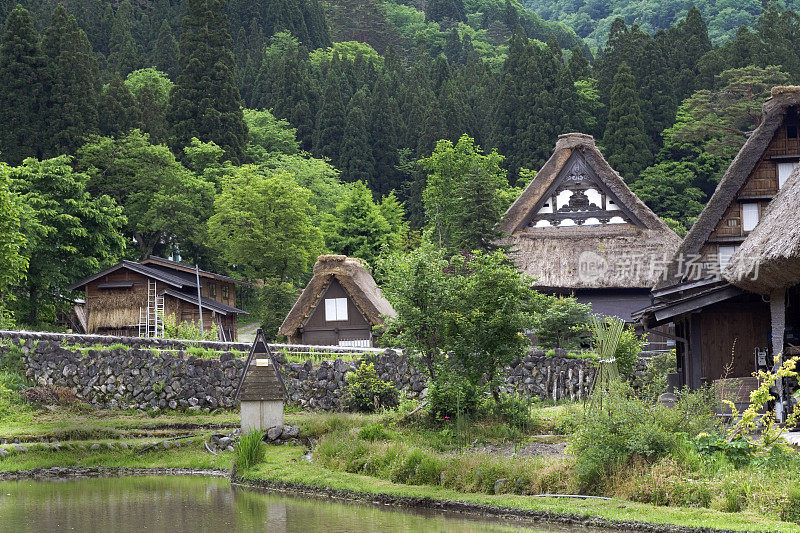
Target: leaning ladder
[151, 318]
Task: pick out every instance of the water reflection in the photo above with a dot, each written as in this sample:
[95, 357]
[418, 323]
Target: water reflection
[191, 505]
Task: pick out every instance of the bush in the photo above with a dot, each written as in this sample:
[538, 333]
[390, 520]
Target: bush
[628, 350]
[653, 382]
[366, 392]
[738, 452]
[453, 398]
[610, 437]
[562, 324]
[187, 330]
[249, 451]
[514, 410]
[373, 432]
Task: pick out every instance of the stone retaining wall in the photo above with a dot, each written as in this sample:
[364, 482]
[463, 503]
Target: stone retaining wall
[140, 378]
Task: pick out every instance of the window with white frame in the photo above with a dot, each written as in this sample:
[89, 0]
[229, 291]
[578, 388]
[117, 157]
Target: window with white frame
[335, 309]
[749, 216]
[784, 169]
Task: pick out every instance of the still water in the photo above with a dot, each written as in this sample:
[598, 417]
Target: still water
[192, 505]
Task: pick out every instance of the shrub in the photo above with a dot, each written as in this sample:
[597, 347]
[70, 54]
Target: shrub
[562, 323]
[738, 451]
[453, 398]
[610, 437]
[249, 451]
[653, 382]
[628, 350]
[514, 410]
[373, 432]
[367, 392]
[186, 330]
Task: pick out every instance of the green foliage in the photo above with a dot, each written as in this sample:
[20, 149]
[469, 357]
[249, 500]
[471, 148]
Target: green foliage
[267, 135]
[69, 233]
[629, 347]
[160, 212]
[491, 305]
[188, 330]
[419, 289]
[653, 382]
[611, 436]
[151, 89]
[205, 102]
[373, 432]
[452, 397]
[23, 99]
[274, 299]
[625, 141]
[367, 392]
[738, 451]
[561, 323]
[249, 451]
[13, 263]
[514, 410]
[465, 196]
[262, 223]
[359, 228]
[791, 509]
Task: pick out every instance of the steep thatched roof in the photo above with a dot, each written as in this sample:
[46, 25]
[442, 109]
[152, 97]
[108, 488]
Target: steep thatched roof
[629, 254]
[772, 116]
[353, 277]
[769, 258]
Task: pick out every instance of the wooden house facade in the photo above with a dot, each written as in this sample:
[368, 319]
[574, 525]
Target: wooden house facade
[136, 298]
[723, 330]
[578, 229]
[338, 307]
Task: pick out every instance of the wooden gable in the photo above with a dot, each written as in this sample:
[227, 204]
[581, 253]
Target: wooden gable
[579, 197]
[262, 380]
[761, 185]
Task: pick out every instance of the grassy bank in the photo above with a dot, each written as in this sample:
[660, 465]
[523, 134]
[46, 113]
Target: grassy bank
[286, 465]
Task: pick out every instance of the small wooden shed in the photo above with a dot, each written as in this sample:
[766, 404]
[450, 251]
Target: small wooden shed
[261, 391]
[338, 307]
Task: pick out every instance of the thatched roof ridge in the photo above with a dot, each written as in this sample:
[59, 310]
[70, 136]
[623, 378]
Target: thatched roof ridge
[769, 258]
[772, 116]
[354, 278]
[552, 254]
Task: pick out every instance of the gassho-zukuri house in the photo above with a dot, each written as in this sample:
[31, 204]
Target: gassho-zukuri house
[338, 307]
[136, 298]
[578, 229]
[738, 268]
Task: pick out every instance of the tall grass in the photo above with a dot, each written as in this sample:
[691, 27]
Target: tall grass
[249, 451]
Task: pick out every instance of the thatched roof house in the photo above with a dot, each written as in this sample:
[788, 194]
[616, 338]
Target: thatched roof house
[720, 325]
[339, 306]
[578, 228]
[136, 298]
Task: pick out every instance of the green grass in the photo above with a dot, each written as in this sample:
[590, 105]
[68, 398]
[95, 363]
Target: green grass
[191, 455]
[285, 464]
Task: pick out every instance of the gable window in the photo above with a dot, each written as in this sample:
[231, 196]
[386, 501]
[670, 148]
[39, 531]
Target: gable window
[226, 291]
[784, 169]
[335, 309]
[725, 253]
[749, 216]
[212, 289]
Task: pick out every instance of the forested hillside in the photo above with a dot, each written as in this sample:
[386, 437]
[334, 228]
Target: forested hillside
[592, 19]
[250, 136]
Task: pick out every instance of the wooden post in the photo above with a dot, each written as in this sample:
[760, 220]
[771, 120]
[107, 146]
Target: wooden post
[777, 311]
[199, 303]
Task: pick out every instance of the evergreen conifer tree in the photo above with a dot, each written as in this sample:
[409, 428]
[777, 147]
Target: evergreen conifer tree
[23, 99]
[124, 53]
[330, 118]
[119, 111]
[75, 84]
[205, 101]
[165, 53]
[355, 157]
[384, 124]
[625, 141]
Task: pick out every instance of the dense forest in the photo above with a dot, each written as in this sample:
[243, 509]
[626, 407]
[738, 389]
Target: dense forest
[249, 136]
